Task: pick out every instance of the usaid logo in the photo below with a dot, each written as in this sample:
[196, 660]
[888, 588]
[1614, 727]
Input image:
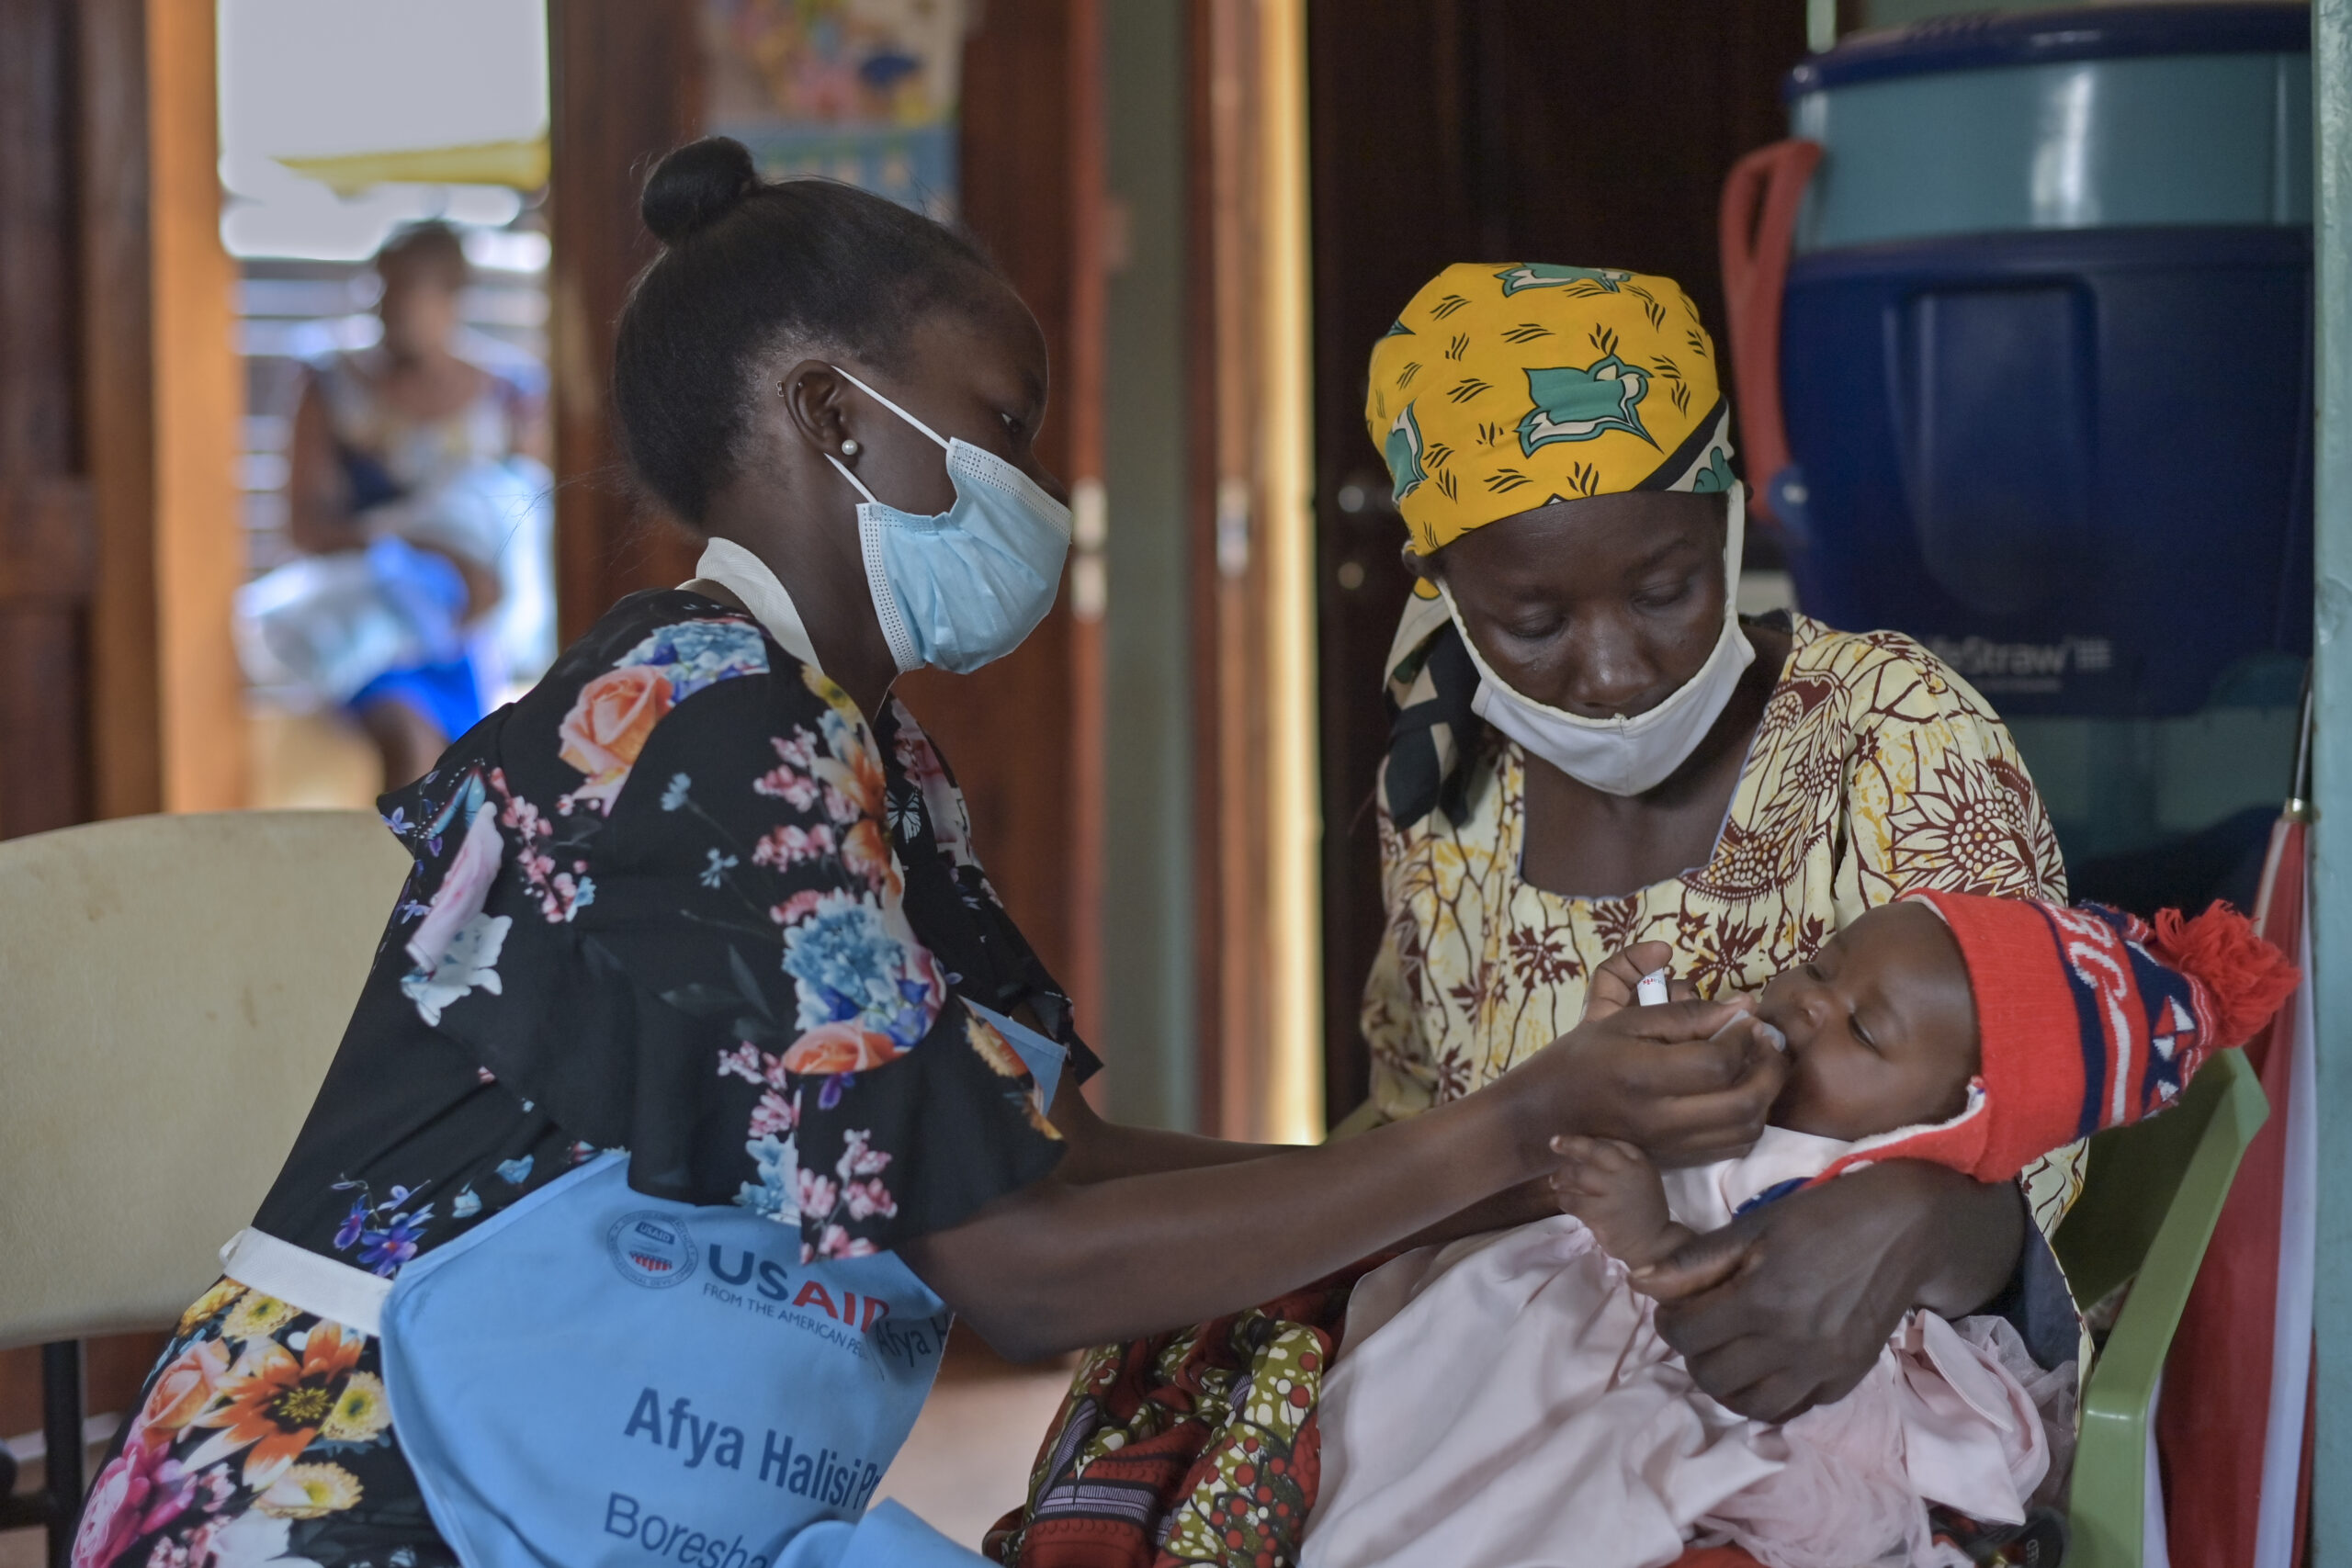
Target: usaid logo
[651, 1250]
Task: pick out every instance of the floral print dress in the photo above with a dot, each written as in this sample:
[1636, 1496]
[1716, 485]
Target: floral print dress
[682, 899]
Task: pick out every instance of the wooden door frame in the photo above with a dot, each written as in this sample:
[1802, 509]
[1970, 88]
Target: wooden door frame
[121, 541]
[624, 86]
[1257, 875]
[162, 394]
[1082, 394]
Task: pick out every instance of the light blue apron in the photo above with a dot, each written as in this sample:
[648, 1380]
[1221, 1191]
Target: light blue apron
[597, 1379]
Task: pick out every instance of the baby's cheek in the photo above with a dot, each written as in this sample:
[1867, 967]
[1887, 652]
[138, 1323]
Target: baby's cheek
[1946, 1101]
[1815, 1102]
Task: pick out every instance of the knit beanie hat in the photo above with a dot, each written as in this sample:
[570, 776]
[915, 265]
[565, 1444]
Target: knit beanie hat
[2089, 1018]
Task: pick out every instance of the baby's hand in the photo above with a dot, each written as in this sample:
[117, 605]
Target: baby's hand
[1619, 974]
[1615, 1190]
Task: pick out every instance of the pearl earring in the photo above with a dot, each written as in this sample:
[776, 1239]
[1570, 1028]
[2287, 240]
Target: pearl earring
[848, 449]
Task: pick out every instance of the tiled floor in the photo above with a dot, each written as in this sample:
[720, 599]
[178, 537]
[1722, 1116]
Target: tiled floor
[965, 1464]
[308, 761]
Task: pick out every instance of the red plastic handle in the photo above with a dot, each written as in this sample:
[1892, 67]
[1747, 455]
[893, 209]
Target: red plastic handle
[1755, 226]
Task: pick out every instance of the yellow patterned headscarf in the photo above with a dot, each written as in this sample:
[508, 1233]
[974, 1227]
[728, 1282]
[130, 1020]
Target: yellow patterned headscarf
[1507, 387]
[1503, 388]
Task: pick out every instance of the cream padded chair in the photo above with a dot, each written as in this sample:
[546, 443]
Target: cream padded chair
[171, 991]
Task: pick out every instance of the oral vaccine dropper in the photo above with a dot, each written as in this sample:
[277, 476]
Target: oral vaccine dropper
[1650, 992]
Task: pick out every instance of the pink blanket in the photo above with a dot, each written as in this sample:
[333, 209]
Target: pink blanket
[1507, 1403]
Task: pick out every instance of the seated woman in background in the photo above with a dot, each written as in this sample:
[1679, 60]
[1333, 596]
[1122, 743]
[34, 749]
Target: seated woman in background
[389, 445]
[1593, 748]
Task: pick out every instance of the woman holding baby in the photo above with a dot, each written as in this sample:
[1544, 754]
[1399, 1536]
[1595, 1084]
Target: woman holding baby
[1593, 752]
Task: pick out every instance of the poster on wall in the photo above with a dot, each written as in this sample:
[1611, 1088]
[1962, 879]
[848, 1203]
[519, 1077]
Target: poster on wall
[860, 91]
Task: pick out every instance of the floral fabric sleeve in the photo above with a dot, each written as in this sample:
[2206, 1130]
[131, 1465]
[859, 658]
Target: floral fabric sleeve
[665, 907]
[1936, 793]
[749, 884]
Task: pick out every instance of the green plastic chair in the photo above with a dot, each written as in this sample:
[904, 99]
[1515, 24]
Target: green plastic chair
[2148, 1207]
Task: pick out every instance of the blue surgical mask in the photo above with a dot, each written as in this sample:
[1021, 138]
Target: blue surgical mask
[965, 587]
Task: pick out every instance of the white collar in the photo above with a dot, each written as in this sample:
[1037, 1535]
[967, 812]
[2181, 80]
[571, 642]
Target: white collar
[746, 576]
[1705, 1197]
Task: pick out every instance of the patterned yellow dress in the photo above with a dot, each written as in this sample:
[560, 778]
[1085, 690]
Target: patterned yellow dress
[1876, 770]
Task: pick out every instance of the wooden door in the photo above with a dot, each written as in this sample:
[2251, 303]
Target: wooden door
[120, 543]
[48, 556]
[48, 552]
[1448, 131]
[1253, 647]
[623, 87]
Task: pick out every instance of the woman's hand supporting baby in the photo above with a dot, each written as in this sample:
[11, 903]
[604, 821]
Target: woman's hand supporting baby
[1788, 1305]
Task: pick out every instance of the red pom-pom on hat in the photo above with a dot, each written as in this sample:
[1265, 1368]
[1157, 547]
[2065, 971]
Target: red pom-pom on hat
[2249, 979]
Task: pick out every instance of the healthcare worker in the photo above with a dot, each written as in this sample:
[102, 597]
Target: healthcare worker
[701, 1079]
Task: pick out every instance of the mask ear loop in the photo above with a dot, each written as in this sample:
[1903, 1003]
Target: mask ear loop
[845, 472]
[843, 468]
[938, 439]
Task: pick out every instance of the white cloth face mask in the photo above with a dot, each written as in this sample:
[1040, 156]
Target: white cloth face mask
[962, 587]
[1627, 755]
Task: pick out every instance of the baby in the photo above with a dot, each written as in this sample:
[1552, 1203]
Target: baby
[1506, 1402]
[1881, 1033]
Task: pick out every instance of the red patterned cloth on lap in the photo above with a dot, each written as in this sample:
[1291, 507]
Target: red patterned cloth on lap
[1198, 1448]
[1194, 1448]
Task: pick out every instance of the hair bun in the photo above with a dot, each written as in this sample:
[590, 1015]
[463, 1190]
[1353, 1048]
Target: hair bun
[695, 185]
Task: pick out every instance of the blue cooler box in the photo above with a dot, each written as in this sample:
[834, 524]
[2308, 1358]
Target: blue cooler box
[2047, 387]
